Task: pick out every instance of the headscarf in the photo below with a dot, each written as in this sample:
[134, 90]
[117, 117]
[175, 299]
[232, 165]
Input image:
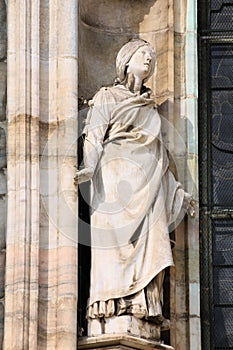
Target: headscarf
[125, 54]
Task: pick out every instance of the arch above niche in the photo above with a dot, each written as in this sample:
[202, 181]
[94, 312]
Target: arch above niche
[106, 26]
[118, 15]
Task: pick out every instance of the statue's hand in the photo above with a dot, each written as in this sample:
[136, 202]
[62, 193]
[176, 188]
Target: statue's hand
[83, 175]
[192, 208]
[190, 205]
[144, 98]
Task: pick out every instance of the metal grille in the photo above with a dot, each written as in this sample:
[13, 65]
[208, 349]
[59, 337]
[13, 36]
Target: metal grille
[222, 124]
[222, 242]
[222, 252]
[216, 171]
[223, 328]
[221, 15]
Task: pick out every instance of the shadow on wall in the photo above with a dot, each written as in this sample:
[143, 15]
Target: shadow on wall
[103, 29]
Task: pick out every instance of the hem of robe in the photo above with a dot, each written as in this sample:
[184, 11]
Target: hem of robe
[108, 309]
[145, 304]
[140, 286]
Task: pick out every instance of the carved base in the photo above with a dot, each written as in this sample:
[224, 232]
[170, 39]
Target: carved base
[124, 324]
[120, 342]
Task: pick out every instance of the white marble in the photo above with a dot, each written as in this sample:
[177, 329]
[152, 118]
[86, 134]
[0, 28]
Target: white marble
[124, 324]
[41, 286]
[120, 341]
[134, 192]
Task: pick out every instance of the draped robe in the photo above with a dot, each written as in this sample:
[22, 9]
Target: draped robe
[135, 196]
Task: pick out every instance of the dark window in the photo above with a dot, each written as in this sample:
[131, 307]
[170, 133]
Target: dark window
[216, 171]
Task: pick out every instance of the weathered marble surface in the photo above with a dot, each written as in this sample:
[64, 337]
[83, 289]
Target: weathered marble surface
[52, 26]
[3, 75]
[185, 325]
[2, 148]
[101, 31]
[3, 139]
[3, 30]
[41, 266]
[174, 35]
[120, 341]
[1, 324]
[124, 324]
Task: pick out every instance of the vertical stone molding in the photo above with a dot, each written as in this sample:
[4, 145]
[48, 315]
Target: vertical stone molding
[185, 315]
[192, 161]
[3, 155]
[21, 286]
[41, 273]
[57, 323]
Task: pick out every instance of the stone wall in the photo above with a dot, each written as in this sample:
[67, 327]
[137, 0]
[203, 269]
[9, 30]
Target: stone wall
[3, 160]
[185, 330]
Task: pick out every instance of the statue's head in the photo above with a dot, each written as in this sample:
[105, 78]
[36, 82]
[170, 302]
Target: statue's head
[137, 55]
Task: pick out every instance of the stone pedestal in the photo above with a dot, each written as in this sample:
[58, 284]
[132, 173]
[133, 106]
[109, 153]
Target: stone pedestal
[120, 341]
[125, 324]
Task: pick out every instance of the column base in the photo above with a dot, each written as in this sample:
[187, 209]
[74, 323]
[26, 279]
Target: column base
[120, 342]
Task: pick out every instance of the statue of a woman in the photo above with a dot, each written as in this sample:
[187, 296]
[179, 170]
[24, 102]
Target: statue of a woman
[135, 196]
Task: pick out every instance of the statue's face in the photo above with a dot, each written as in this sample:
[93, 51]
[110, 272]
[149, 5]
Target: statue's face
[142, 62]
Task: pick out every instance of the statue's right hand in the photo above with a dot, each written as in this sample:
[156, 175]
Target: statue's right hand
[190, 205]
[83, 175]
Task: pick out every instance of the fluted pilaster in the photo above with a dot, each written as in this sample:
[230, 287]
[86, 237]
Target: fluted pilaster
[41, 275]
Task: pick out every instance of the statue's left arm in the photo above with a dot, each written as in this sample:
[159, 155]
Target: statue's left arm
[98, 117]
[177, 199]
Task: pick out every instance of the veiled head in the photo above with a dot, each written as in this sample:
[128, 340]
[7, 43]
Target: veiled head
[127, 52]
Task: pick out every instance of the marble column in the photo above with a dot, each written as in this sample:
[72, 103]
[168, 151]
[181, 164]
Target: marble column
[191, 70]
[41, 264]
[58, 136]
[3, 142]
[179, 275]
[21, 289]
[185, 314]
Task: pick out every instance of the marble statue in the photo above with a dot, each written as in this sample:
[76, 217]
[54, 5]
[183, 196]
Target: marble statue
[135, 196]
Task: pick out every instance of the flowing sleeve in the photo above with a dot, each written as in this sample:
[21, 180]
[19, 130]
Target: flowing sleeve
[97, 123]
[174, 198]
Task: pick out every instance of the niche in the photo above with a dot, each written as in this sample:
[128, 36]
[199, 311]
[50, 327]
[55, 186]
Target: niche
[104, 26]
